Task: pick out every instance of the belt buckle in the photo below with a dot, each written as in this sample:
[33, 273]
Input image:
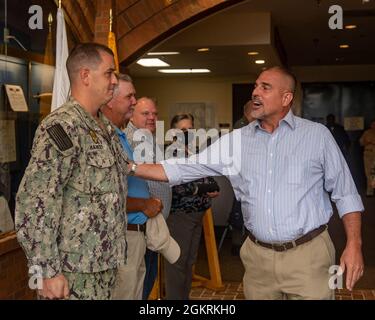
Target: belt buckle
[279, 247]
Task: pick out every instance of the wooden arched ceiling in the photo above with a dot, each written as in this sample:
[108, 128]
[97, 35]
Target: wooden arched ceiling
[141, 24]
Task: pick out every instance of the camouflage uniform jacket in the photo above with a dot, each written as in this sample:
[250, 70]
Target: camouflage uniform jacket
[70, 206]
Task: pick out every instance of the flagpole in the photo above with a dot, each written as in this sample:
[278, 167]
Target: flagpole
[59, 4]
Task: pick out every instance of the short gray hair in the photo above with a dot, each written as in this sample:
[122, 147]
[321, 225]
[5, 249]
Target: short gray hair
[122, 77]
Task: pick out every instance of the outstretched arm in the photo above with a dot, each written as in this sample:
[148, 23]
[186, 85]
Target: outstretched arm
[150, 172]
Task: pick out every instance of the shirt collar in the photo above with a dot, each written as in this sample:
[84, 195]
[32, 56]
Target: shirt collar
[89, 119]
[131, 126]
[120, 132]
[289, 119]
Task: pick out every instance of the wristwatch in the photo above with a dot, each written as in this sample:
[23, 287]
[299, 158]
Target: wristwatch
[133, 167]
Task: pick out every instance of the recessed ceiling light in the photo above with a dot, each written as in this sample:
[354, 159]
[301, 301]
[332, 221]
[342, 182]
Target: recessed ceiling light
[350, 26]
[344, 46]
[167, 53]
[152, 62]
[203, 49]
[184, 71]
[260, 61]
[253, 53]
[200, 71]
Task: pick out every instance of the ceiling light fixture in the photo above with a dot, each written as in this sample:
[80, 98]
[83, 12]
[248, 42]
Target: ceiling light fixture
[344, 46]
[253, 53]
[152, 62]
[166, 53]
[350, 26]
[260, 61]
[203, 49]
[184, 70]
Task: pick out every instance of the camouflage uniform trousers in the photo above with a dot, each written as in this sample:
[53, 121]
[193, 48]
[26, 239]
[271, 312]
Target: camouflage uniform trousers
[91, 286]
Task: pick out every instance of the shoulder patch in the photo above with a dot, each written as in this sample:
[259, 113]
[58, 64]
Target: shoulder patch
[60, 137]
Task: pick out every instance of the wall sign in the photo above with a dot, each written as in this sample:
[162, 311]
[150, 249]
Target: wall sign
[16, 98]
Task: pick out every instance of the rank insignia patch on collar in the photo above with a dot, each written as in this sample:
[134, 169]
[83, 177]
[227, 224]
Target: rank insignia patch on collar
[60, 137]
[94, 136]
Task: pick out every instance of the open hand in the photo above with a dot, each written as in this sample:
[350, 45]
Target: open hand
[352, 262]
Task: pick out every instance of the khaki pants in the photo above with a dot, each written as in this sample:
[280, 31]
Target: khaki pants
[298, 273]
[130, 277]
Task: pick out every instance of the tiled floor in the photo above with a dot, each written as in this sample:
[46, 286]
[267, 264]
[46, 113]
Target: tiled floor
[234, 291]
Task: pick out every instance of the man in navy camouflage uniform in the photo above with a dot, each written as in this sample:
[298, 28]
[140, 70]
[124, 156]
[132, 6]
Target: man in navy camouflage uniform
[70, 206]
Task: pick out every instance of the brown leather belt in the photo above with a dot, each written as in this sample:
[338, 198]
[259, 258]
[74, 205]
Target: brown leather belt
[292, 244]
[137, 227]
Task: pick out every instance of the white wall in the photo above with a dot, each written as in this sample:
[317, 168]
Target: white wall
[168, 91]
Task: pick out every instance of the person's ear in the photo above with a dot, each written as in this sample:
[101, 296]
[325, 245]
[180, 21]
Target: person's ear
[287, 98]
[84, 75]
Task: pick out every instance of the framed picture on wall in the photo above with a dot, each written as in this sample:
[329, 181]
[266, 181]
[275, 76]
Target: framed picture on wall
[16, 98]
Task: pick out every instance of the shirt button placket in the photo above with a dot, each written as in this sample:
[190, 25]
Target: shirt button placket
[270, 170]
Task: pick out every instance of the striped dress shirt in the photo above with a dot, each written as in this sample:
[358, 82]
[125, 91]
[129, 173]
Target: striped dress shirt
[283, 179]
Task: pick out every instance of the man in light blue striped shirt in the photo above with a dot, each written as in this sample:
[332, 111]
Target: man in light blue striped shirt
[284, 172]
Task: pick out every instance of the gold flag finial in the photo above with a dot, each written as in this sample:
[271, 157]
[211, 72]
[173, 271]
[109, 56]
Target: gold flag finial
[50, 21]
[110, 20]
[59, 4]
